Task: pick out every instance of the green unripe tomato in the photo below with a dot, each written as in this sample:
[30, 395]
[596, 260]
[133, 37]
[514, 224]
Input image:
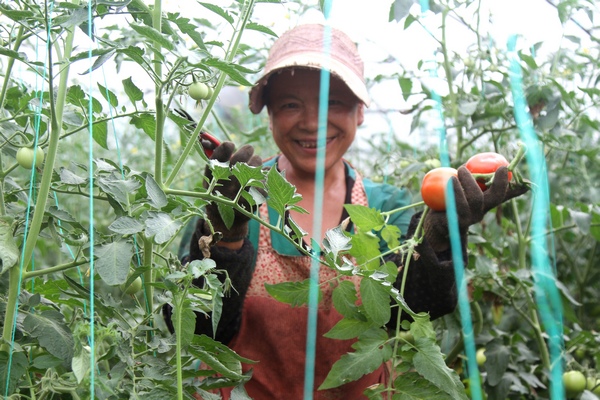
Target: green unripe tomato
[26, 154]
[480, 356]
[575, 382]
[134, 288]
[433, 163]
[593, 385]
[199, 91]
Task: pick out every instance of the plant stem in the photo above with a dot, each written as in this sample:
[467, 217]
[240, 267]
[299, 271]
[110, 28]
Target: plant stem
[160, 114]
[55, 130]
[56, 268]
[231, 52]
[11, 305]
[148, 278]
[9, 66]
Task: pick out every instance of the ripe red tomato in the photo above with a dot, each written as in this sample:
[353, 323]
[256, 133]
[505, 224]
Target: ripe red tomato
[433, 187]
[486, 163]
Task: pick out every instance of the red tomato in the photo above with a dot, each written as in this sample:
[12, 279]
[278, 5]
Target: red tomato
[486, 163]
[433, 187]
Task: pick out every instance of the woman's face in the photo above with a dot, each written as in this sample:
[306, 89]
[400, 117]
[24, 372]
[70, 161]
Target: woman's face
[293, 105]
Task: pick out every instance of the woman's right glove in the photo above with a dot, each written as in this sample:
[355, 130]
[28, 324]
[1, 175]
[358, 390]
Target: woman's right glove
[229, 188]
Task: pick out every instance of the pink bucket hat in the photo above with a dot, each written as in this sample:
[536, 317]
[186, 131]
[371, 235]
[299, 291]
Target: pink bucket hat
[302, 46]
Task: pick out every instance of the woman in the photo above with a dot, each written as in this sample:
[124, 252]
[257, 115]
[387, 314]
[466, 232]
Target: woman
[254, 324]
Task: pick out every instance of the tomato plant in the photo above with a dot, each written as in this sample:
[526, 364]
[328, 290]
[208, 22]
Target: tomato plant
[25, 156]
[486, 163]
[433, 187]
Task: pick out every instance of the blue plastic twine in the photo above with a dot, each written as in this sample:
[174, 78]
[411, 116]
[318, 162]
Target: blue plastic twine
[313, 293]
[456, 245]
[546, 292]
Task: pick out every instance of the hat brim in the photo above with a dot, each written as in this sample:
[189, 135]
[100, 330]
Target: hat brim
[309, 60]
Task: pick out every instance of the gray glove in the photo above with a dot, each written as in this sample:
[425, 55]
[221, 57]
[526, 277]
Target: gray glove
[471, 205]
[229, 188]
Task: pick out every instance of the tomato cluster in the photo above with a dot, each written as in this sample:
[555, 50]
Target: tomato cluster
[200, 91]
[433, 186]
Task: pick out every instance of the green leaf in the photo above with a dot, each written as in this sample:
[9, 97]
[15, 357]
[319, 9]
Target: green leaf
[154, 35]
[232, 70]
[406, 87]
[412, 386]
[80, 364]
[282, 194]
[161, 226]
[156, 196]
[219, 11]
[68, 177]
[126, 226]
[391, 234]
[52, 333]
[113, 262]
[364, 218]
[345, 299]
[119, 188]
[132, 91]
[292, 293]
[109, 96]
[18, 368]
[365, 249]
[99, 61]
[9, 252]
[348, 328]
[372, 350]
[100, 133]
[187, 325]
[336, 241]
[227, 214]
[429, 362]
[497, 360]
[189, 29]
[261, 28]
[145, 122]
[376, 300]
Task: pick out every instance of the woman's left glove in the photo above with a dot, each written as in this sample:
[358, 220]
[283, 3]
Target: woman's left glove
[471, 205]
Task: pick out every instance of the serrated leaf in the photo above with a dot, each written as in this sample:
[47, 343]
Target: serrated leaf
[157, 197]
[100, 133]
[80, 364]
[113, 262]
[227, 214]
[185, 26]
[282, 194]
[9, 251]
[219, 11]
[52, 333]
[372, 350]
[18, 367]
[154, 35]
[391, 234]
[347, 328]
[126, 226]
[70, 178]
[292, 293]
[161, 226]
[119, 188]
[429, 362]
[344, 299]
[365, 249]
[145, 122]
[109, 96]
[186, 327]
[376, 300]
[232, 70]
[132, 91]
[260, 28]
[336, 241]
[412, 386]
[364, 218]
[497, 360]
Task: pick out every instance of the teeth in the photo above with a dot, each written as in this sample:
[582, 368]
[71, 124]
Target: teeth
[311, 144]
